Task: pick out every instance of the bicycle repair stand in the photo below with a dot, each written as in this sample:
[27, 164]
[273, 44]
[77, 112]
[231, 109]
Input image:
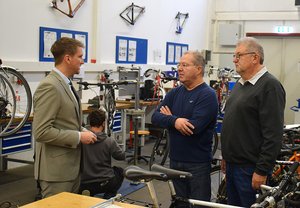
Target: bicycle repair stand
[136, 115]
[136, 112]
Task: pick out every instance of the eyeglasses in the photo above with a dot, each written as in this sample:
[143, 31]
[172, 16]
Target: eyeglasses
[184, 65]
[238, 55]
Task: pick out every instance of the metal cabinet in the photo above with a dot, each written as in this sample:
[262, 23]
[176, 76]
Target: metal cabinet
[18, 142]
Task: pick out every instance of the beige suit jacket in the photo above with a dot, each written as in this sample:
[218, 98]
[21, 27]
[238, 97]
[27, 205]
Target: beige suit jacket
[56, 123]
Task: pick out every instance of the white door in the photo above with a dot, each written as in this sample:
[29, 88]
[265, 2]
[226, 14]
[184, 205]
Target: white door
[282, 58]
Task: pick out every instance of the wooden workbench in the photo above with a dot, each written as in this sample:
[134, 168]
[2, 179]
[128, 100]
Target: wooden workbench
[142, 102]
[124, 106]
[121, 104]
[70, 200]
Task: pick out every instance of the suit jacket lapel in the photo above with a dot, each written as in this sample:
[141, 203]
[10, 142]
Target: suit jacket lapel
[69, 93]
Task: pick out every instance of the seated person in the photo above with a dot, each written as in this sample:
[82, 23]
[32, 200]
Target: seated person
[98, 176]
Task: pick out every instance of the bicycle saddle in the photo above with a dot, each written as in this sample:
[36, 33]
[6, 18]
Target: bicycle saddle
[136, 173]
[171, 173]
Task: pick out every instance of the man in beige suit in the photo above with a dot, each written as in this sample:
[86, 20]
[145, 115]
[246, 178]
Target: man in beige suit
[57, 123]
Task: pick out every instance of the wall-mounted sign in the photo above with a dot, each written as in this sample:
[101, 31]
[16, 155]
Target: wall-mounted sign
[131, 50]
[49, 35]
[174, 52]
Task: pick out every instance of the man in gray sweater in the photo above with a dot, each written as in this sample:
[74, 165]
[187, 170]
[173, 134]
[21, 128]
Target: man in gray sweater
[252, 128]
[98, 175]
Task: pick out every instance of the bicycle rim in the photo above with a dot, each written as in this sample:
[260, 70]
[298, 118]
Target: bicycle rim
[215, 143]
[167, 147]
[217, 177]
[24, 103]
[222, 193]
[153, 153]
[7, 114]
[110, 107]
[161, 93]
[160, 150]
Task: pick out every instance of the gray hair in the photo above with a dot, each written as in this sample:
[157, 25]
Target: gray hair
[198, 59]
[252, 45]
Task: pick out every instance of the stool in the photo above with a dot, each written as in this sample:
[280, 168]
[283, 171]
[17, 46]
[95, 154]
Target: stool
[137, 156]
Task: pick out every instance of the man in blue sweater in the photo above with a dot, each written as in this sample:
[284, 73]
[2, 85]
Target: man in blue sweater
[189, 113]
[253, 125]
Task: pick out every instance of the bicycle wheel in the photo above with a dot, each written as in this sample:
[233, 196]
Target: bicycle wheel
[23, 97]
[7, 105]
[215, 143]
[110, 107]
[161, 93]
[217, 184]
[160, 150]
[222, 193]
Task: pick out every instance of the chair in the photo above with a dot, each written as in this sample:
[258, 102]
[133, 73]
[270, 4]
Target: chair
[138, 144]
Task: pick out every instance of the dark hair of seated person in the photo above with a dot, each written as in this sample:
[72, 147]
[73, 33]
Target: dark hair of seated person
[96, 118]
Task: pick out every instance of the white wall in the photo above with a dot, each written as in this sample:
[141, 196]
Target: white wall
[20, 22]
[20, 33]
[157, 25]
[253, 16]
[263, 16]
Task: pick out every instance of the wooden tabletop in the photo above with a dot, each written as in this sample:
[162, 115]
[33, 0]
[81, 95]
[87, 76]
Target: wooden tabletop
[121, 104]
[15, 121]
[70, 200]
[142, 102]
[86, 107]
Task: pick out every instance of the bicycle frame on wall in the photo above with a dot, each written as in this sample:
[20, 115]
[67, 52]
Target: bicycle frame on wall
[129, 14]
[71, 12]
[180, 22]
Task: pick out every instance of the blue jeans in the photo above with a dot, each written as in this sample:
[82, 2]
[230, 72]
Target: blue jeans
[198, 187]
[239, 185]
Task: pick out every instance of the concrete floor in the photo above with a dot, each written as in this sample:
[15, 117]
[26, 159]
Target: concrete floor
[17, 185]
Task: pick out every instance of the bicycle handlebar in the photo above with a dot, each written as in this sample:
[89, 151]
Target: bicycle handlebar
[133, 68]
[272, 196]
[170, 78]
[101, 85]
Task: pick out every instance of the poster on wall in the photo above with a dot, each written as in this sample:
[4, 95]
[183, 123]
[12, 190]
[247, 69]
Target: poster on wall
[174, 51]
[170, 54]
[82, 38]
[131, 50]
[49, 35]
[49, 38]
[122, 55]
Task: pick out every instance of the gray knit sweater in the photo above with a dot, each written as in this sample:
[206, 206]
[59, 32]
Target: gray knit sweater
[96, 159]
[253, 124]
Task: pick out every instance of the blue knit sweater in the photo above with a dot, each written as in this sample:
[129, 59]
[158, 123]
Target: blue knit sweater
[200, 107]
